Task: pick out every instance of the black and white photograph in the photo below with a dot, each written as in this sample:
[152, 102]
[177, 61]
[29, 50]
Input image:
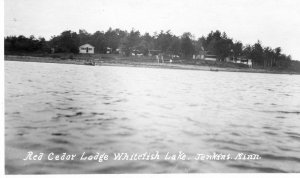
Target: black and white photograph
[151, 87]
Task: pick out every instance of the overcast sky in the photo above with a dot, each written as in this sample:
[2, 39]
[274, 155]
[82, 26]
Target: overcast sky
[273, 22]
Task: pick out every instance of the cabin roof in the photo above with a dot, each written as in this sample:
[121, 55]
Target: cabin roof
[86, 45]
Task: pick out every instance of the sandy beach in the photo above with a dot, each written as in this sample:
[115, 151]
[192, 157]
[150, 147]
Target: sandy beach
[129, 63]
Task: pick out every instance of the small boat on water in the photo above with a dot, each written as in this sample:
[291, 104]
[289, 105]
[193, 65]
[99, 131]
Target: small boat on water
[214, 70]
[89, 62]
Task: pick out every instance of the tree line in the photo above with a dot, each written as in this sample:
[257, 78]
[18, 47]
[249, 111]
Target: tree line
[185, 46]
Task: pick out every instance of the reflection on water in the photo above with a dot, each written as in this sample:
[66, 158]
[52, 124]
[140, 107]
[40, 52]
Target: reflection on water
[74, 109]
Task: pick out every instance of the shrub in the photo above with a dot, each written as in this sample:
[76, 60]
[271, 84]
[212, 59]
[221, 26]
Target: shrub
[71, 56]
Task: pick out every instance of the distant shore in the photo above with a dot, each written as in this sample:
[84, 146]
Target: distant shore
[129, 63]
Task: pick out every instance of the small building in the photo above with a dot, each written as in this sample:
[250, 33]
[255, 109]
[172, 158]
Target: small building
[108, 50]
[120, 51]
[210, 57]
[244, 61]
[205, 55]
[86, 49]
[200, 54]
[247, 62]
[136, 52]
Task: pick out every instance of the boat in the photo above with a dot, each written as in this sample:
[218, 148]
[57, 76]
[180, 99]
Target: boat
[214, 70]
[89, 62]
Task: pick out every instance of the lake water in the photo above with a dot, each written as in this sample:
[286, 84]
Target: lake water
[72, 109]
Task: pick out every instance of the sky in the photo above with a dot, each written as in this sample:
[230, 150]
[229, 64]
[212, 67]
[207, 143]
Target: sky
[276, 23]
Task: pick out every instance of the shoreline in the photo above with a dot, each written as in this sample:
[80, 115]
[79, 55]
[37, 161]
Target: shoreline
[127, 63]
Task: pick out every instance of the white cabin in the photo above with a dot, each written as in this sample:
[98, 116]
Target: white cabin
[245, 61]
[86, 49]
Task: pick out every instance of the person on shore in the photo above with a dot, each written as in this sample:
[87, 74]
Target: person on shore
[157, 58]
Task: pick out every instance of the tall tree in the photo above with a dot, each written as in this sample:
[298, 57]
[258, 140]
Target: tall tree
[237, 50]
[67, 41]
[257, 53]
[130, 42]
[164, 41]
[84, 36]
[187, 47]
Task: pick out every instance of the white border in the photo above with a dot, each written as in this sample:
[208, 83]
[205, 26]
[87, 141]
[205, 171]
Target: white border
[2, 158]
